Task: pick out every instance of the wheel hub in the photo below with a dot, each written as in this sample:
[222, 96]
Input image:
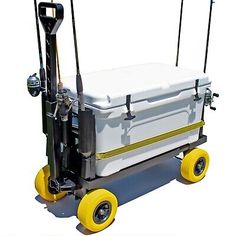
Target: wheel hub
[199, 166]
[102, 212]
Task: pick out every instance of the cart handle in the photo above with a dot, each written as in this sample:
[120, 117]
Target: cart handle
[51, 24]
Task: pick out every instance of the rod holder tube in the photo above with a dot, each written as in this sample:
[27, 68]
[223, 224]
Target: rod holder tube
[86, 133]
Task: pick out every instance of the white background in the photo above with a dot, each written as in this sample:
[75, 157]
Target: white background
[114, 33]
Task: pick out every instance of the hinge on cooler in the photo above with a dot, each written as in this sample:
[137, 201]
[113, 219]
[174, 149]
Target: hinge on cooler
[128, 102]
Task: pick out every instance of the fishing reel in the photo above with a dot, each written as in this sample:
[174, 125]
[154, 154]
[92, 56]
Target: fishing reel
[64, 105]
[34, 85]
[209, 98]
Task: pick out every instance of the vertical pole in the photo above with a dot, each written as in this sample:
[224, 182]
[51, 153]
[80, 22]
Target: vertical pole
[51, 25]
[60, 84]
[208, 35]
[179, 35]
[53, 137]
[51, 66]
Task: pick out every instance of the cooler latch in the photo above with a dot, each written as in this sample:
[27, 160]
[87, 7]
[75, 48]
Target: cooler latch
[128, 102]
[196, 96]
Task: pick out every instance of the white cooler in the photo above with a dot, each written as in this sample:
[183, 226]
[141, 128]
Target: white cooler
[165, 115]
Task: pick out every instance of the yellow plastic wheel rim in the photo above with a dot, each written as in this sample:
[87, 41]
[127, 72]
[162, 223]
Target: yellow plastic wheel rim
[41, 185]
[89, 205]
[188, 165]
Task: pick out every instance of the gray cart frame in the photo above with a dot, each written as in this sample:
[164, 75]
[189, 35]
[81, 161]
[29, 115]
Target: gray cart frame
[98, 182]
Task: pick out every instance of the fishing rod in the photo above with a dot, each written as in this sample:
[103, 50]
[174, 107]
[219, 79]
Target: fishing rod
[179, 35]
[208, 35]
[42, 73]
[38, 36]
[79, 83]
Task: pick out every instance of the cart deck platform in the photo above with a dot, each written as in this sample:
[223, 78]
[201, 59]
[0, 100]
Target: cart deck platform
[101, 181]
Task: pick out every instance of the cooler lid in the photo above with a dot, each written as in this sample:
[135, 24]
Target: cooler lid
[109, 88]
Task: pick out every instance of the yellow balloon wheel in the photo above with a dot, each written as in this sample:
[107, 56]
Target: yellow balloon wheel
[195, 165]
[97, 210]
[41, 185]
